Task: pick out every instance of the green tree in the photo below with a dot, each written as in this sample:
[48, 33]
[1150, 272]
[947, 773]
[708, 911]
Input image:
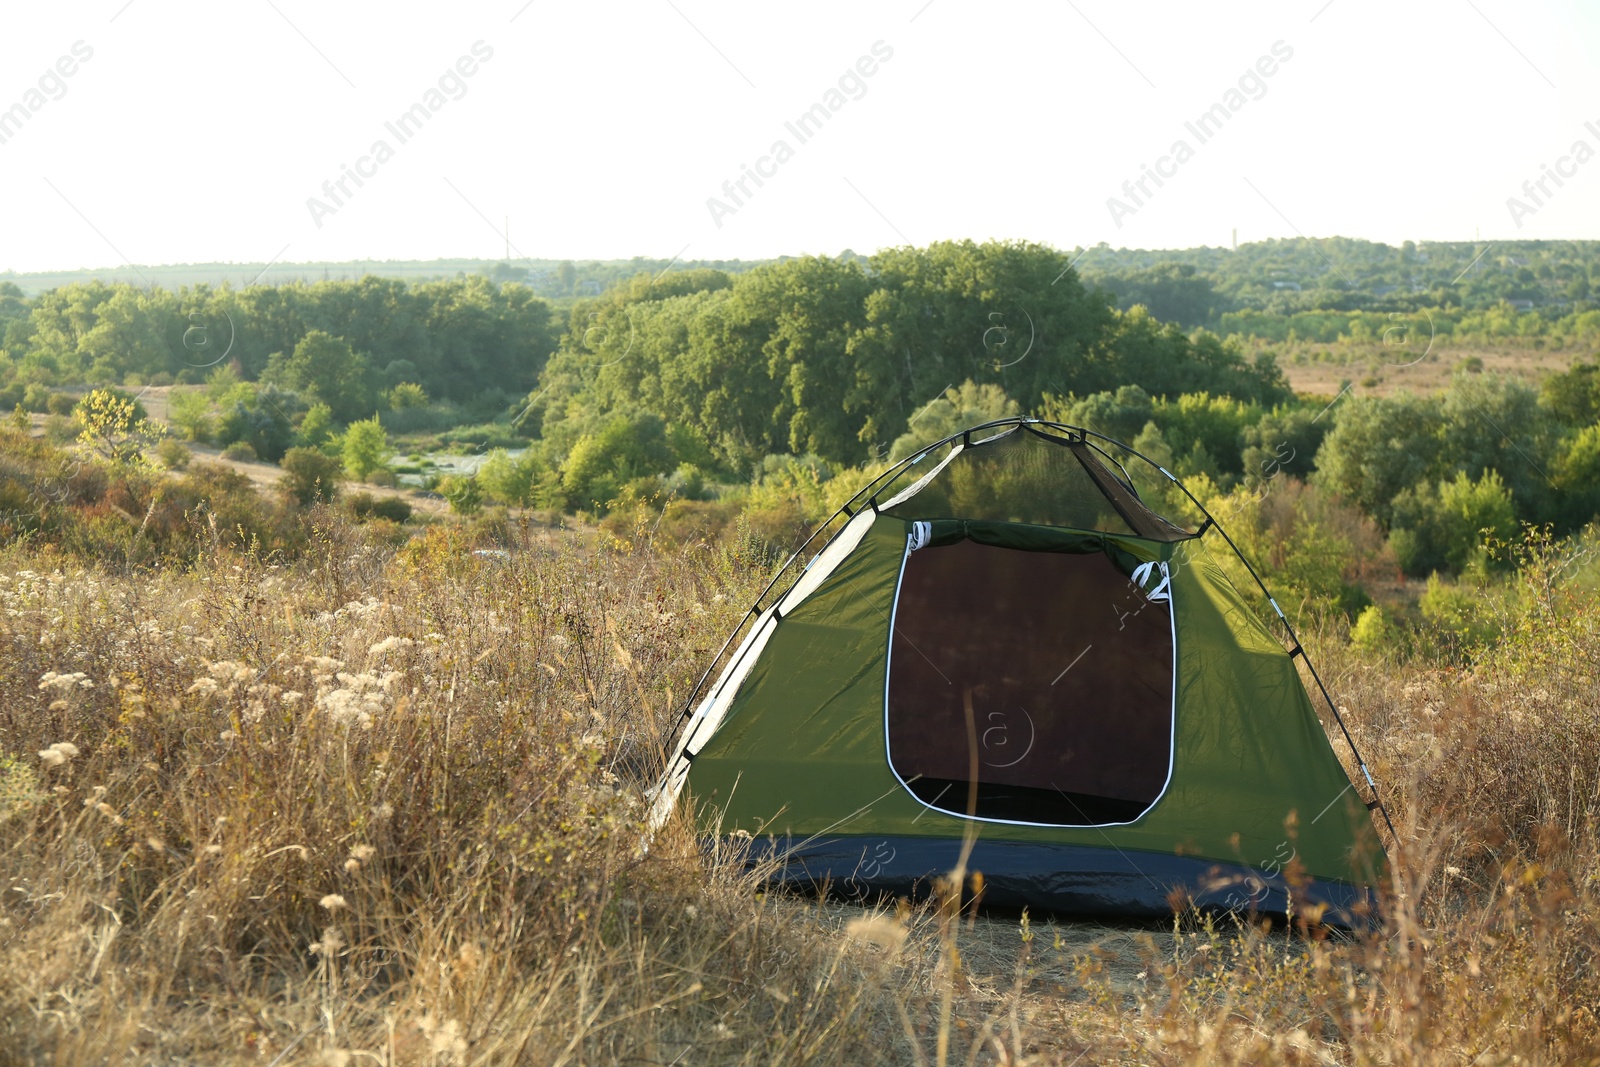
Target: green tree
[1378, 448]
[967, 405]
[1443, 526]
[114, 425]
[366, 448]
[261, 416]
[624, 449]
[317, 428]
[323, 367]
[190, 411]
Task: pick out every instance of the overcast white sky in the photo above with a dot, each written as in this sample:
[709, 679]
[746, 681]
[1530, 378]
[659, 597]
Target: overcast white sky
[197, 131]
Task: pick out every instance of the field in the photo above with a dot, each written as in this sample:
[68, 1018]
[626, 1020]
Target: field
[1377, 371]
[383, 805]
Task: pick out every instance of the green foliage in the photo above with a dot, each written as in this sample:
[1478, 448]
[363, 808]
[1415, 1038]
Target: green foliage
[1313, 551]
[820, 355]
[366, 448]
[260, 416]
[318, 430]
[240, 452]
[967, 405]
[407, 395]
[190, 411]
[173, 455]
[1443, 525]
[524, 480]
[364, 506]
[1573, 396]
[625, 448]
[1378, 448]
[1205, 433]
[1460, 613]
[1284, 440]
[325, 368]
[463, 492]
[310, 475]
[1120, 415]
[114, 425]
[1172, 292]
[1376, 634]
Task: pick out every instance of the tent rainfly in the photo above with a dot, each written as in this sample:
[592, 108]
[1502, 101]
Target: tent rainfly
[1002, 639]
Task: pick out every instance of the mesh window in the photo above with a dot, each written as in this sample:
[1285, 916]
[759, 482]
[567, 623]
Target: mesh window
[1023, 476]
[1069, 668]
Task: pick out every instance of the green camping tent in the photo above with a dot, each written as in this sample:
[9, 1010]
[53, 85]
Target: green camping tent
[1003, 638]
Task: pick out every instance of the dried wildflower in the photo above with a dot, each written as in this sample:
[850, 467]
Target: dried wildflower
[203, 685]
[384, 810]
[352, 865]
[58, 753]
[227, 670]
[292, 697]
[333, 902]
[64, 682]
[155, 844]
[330, 943]
[390, 644]
[444, 1038]
[879, 929]
[363, 852]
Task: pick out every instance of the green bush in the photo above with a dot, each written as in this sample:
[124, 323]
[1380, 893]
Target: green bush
[366, 448]
[240, 452]
[407, 395]
[173, 455]
[1376, 634]
[524, 480]
[60, 403]
[310, 476]
[627, 447]
[365, 506]
[1465, 615]
[261, 416]
[1444, 526]
[464, 493]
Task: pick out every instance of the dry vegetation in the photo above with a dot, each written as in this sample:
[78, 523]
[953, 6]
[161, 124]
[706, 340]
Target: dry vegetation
[381, 805]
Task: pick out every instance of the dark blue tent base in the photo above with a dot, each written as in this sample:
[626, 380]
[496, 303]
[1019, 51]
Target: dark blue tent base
[1060, 879]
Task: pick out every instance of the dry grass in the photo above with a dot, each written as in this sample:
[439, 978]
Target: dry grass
[382, 806]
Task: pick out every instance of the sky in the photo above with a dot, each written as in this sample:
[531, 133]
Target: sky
[176, 131]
